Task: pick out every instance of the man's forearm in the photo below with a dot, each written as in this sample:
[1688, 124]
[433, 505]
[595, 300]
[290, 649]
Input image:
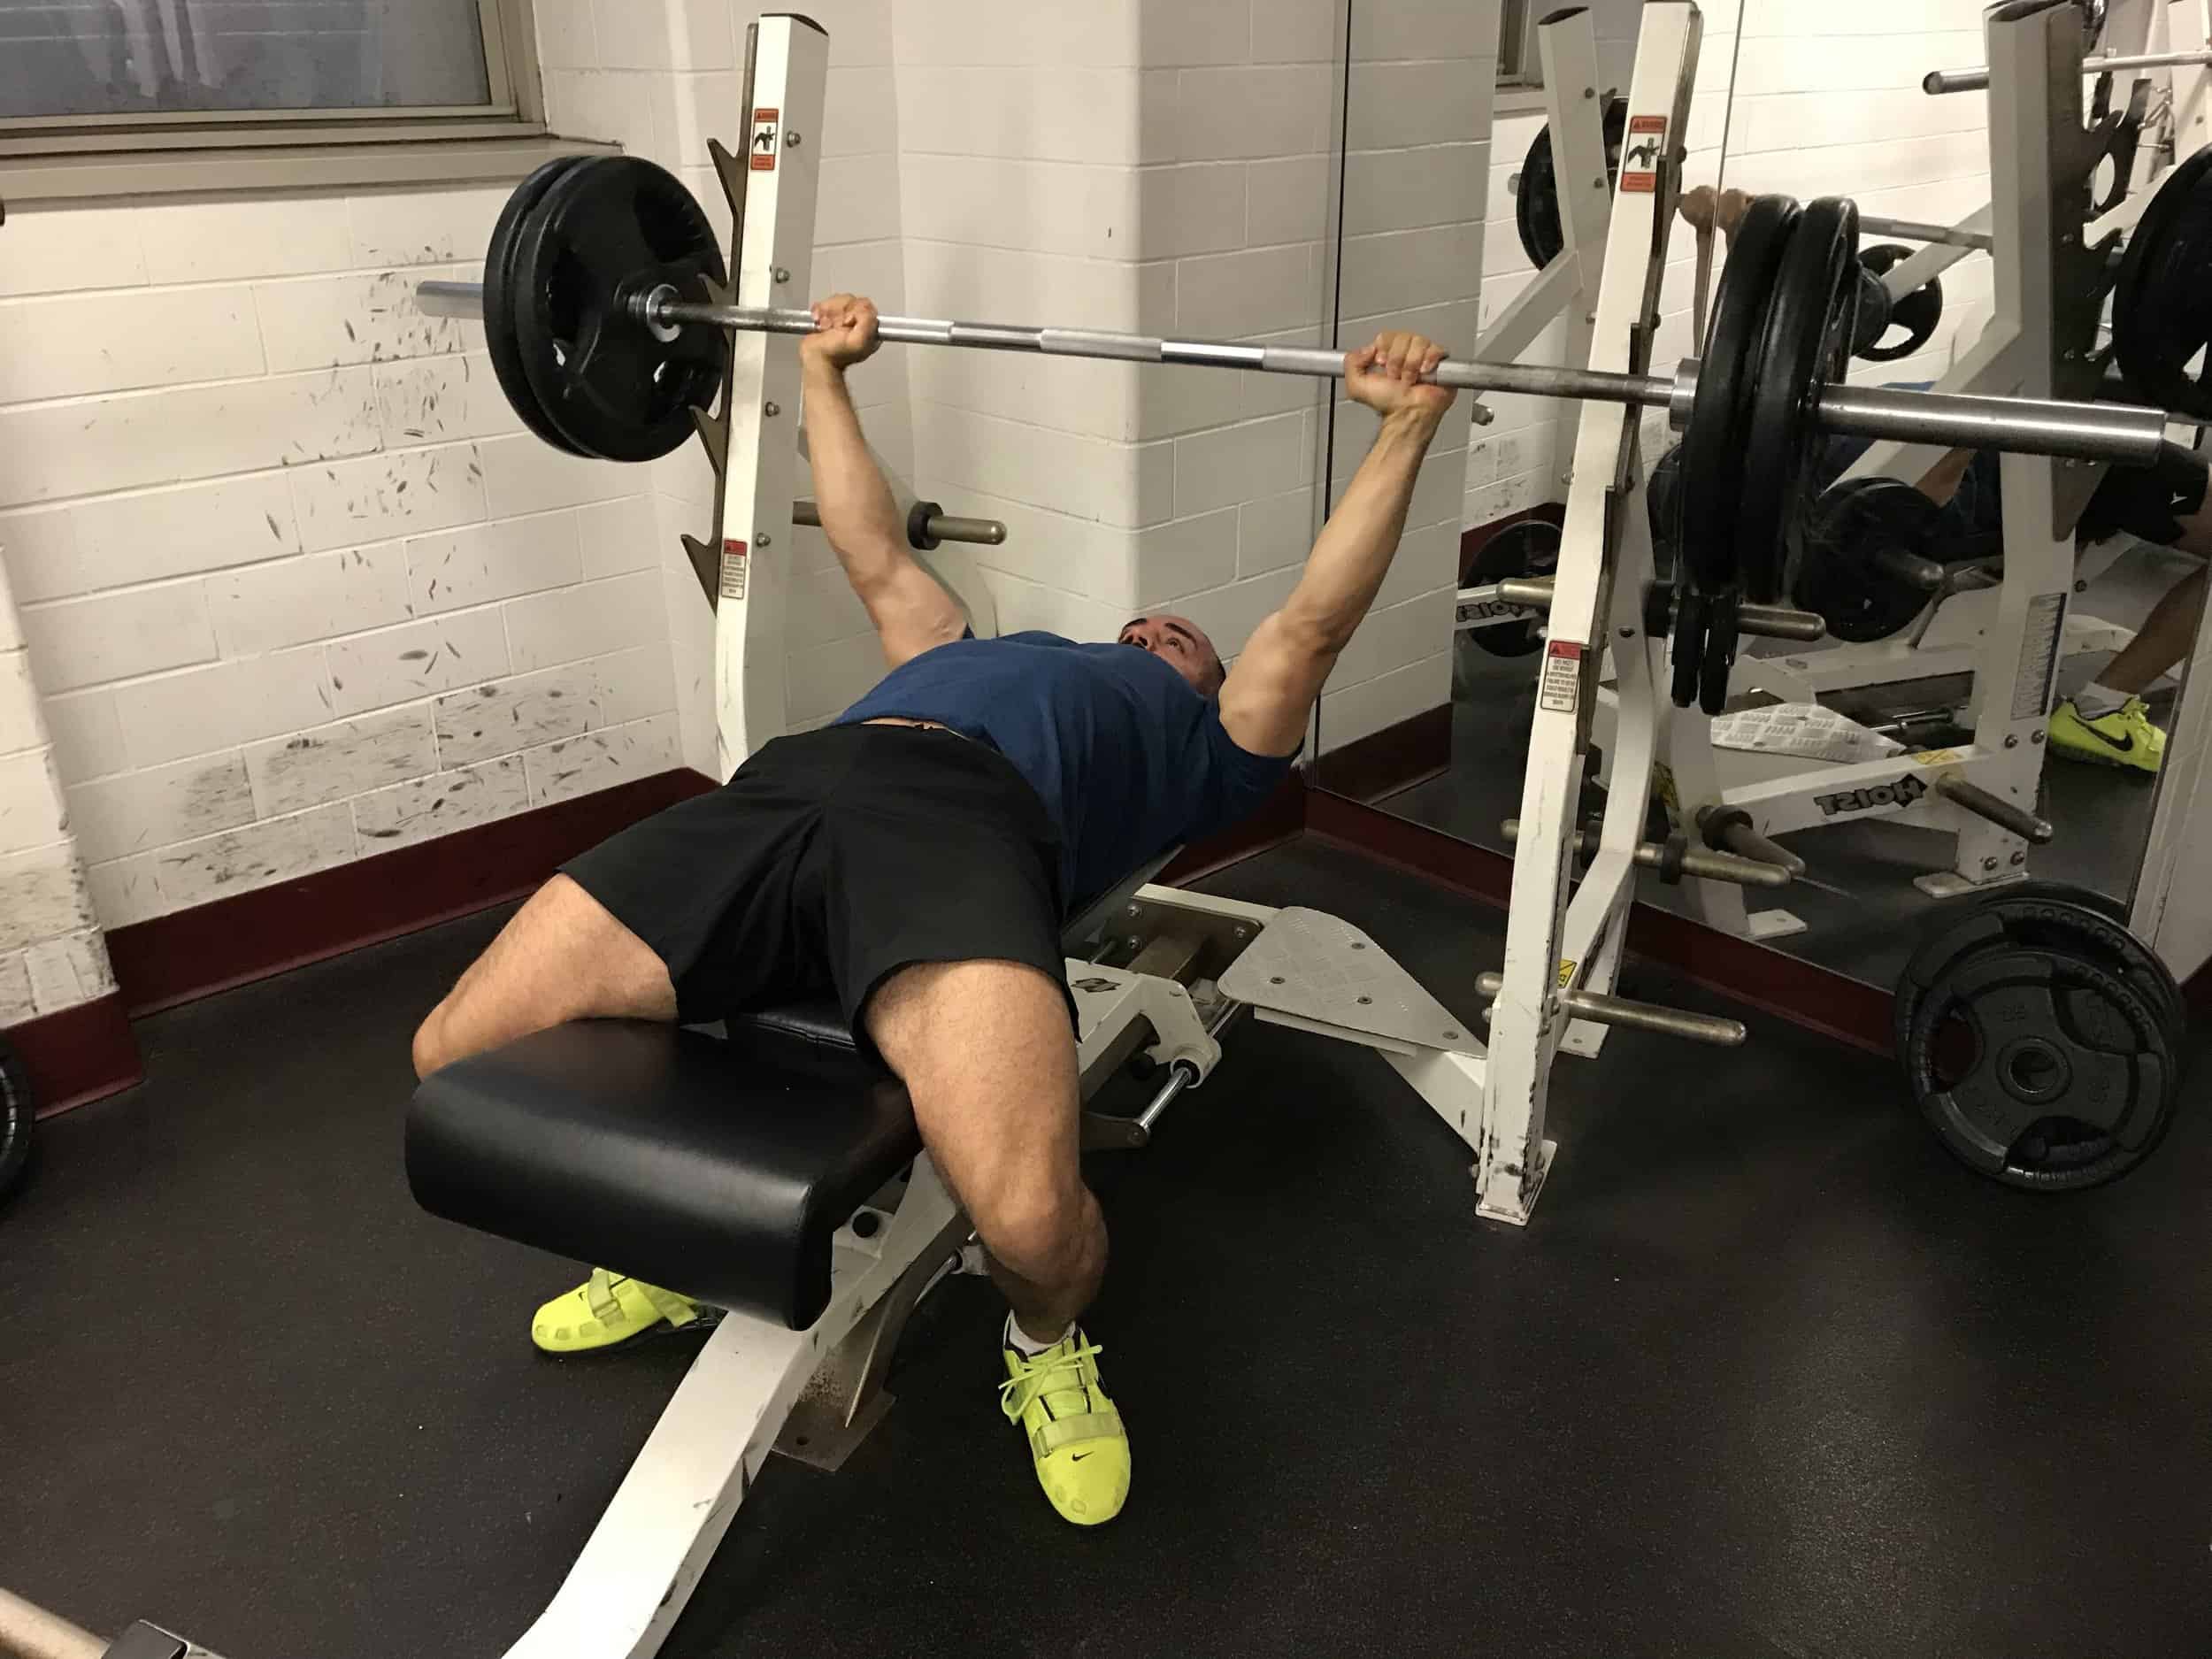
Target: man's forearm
[859, 515]
[1352, 554]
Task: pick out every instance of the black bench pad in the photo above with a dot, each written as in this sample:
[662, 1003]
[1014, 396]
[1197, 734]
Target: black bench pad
[717, 1168]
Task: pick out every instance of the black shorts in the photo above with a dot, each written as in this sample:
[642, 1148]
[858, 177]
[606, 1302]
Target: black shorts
[830, 861]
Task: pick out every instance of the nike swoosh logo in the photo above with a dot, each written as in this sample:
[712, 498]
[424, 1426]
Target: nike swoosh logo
[1077, 1457]
[2125, 745]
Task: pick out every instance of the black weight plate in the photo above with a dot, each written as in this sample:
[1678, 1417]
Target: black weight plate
[1712, 475]
[1536, 208]
[1721, 637]
[1918, 313]
[2042, 1071]
[1692, 611]
[16, 1114]
[607, 231]
[1807, 329]
[2048, 915]
[2161, 302]
[1838, 577]
[1663, 506]
[1530, 548]
[499, 300]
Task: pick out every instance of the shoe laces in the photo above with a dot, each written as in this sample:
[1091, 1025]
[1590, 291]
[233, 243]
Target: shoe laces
[1067, 1368]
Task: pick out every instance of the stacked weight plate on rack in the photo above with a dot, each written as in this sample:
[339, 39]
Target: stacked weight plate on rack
[2041, 1039]
[578, 244]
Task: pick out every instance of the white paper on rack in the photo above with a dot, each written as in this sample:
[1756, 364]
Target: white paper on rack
[1804, 729]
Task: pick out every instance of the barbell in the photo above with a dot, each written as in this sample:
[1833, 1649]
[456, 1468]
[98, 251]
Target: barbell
[607, 316]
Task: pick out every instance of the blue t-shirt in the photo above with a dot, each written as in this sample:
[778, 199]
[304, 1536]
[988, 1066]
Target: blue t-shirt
[1127, 757]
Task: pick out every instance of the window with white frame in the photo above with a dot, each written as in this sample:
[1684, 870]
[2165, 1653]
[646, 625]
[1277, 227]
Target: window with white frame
[1518, 63]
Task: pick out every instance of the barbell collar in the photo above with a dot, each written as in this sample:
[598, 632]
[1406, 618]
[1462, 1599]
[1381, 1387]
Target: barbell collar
[1620, 1010]
[2120, 434]
[934, 526]
[1729, 829]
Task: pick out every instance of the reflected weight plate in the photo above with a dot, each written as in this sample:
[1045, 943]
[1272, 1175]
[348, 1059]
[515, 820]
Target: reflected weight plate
[2040, 1070]
[1530, 548]
[2161, 302]
[606, 232]
[1808, 335]
[1838, 576]
[1536, 207]
[1918, 313]
[499, 300]
[2052, 915]
[16, 1114]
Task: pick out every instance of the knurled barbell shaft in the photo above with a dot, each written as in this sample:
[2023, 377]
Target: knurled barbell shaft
[1915, 230]
[2118, 433]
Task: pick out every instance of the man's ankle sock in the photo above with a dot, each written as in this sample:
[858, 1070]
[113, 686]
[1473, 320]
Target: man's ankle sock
[1026, 1344]
[2096, 700]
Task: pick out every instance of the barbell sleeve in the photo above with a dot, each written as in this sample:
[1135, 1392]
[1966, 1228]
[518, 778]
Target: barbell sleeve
[2004, 814]
[1936, 81]
[2121, 434]
[1620, 1010]
[1908, 568]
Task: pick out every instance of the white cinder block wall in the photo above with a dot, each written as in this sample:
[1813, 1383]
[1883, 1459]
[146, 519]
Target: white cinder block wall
[1828, 102]
[1518, 461]
[296, 585]
[52, 953]
[1137, 165]
[1419, 90]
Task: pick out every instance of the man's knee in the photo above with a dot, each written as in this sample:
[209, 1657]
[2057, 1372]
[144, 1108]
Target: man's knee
[1046, 1229]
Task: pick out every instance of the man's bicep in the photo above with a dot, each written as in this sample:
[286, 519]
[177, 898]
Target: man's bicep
[1270, 693]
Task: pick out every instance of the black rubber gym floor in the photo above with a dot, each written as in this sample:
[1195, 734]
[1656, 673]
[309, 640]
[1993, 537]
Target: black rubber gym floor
[1769, 1375]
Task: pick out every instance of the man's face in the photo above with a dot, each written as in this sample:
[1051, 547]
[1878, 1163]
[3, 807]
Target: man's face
[1182, 644]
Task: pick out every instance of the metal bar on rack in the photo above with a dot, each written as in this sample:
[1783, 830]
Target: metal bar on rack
[1692, 861]
[2121, 434]
[1914, 230]
[943, 527]
[1940, 81]
[1620, 1010]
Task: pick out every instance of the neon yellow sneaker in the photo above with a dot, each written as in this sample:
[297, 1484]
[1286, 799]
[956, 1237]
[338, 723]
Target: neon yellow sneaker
[2128, 738]
[1075, 1435]
[607, 1308]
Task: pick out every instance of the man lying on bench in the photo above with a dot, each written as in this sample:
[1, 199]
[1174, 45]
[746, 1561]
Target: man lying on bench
[918, 856]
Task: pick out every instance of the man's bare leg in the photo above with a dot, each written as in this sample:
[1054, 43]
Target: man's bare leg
[988, 1059]
[2164, 640]
[560, 957]
[989, 1062]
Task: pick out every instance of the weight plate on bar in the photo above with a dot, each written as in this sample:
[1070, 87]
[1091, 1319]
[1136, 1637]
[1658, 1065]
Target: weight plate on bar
[2053, 916]
[2040, 1069]
[499, 300]
[1530, 548]
[607, 233]
[1840, 575]
[1663, 506]
[1713, 444]
[2161, 302]
[1808, 335]
[1536, 208]
[1918, 313]
[1692, 611]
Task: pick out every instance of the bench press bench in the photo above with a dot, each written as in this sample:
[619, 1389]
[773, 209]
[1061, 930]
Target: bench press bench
[775, 1173]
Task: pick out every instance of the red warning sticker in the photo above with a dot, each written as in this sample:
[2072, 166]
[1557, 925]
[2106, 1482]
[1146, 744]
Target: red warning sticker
[1559, 688]
[735, 565]
[763, 149]
[1639, 161]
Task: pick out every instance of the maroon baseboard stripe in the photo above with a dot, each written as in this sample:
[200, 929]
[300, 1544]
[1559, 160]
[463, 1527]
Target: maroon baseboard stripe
[78, 1055]
[231, 941]
[1414, 750]
[1804, 993]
